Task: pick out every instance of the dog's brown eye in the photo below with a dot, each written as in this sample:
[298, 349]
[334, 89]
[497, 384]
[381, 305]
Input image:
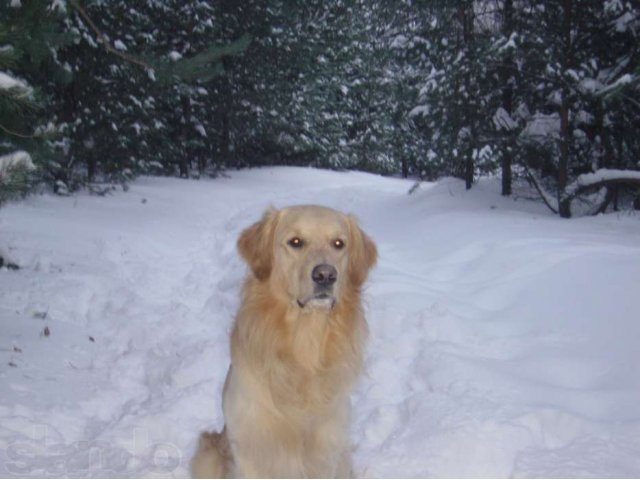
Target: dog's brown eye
[338, 244]
[296, 242]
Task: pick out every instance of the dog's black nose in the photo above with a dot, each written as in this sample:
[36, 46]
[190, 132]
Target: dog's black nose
[324, 275]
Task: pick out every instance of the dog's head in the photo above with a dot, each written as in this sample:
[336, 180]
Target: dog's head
[309, 255]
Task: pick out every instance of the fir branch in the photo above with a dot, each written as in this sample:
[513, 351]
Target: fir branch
[203, 66]
[16, 134]
[103, 39]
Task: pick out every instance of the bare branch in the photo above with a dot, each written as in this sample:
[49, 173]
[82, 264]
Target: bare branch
[546, 198]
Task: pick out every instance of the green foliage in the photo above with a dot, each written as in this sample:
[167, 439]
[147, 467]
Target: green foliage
[545, 87]
[15, 175]
[140, 99]
[414, 87]
[202, 67]
[29, 37]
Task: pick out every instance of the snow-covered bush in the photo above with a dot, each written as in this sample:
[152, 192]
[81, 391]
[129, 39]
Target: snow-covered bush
[14, 174]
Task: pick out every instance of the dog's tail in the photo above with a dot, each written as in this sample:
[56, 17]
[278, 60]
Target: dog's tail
[213, 457]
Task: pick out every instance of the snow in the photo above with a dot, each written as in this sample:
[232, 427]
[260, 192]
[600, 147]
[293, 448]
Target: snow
[625, 79]
[399, 42]
[503, 339]
[624, 22]
[420, 110]
[11, 161]
[119, 45]
[60, 5]
[600, 176]
[590, 85]
[540, 127]
[200, 129]
[510, 44]
[503, 121]
[597, 87]
[7, 82]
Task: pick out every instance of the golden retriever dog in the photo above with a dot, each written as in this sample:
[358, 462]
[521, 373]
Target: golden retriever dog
[296, 349]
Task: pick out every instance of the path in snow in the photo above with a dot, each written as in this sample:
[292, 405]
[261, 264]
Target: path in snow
[503, 340]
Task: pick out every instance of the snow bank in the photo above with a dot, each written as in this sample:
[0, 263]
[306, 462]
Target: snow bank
[503, 339]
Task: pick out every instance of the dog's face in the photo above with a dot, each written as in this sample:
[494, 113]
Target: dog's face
[310, 255]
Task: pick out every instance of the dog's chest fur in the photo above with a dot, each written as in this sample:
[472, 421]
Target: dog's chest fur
[304, 360]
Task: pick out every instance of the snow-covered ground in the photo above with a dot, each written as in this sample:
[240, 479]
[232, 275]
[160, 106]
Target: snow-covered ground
[504, 341]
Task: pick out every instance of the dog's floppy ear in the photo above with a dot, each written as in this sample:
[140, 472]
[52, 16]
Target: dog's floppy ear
[256, 244]
[362, 253]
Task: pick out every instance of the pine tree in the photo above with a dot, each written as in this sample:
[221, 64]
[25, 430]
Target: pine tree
[459, 90]
[30, 35]
[143, 89]
[576, 53]
[535, 87]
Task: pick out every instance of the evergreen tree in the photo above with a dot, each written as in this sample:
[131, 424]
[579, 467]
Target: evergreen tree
[324, 96]
[151, 114]
[536, 87]
[548, 91]
[575, 54]
[30, 36]
[459, 91]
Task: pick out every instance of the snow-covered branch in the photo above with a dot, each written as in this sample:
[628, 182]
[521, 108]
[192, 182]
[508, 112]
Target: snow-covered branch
[105, 42]
[601, 177]
[19, 159]
[14, 174]
[8, 82]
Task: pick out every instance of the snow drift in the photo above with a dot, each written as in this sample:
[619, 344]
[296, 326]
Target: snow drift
[504, 341]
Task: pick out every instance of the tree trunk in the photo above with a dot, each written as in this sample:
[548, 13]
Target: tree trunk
[226, 138]
[468, 171]
[225, 113]
[467, 18]
[507, 176]
[507, 98]
[563, 164]
[91, 168]
[618, 163]
[405, 167]
[565, 129]
[202, 163]
[186, 115]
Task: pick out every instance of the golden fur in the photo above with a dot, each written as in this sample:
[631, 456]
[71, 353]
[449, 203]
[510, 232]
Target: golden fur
[294, 353]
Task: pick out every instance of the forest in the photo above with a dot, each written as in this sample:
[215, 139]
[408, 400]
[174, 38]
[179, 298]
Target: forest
[544, 94]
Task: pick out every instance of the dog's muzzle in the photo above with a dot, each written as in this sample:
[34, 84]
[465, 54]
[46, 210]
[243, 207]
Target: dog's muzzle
[324, 276]
[322, 299]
